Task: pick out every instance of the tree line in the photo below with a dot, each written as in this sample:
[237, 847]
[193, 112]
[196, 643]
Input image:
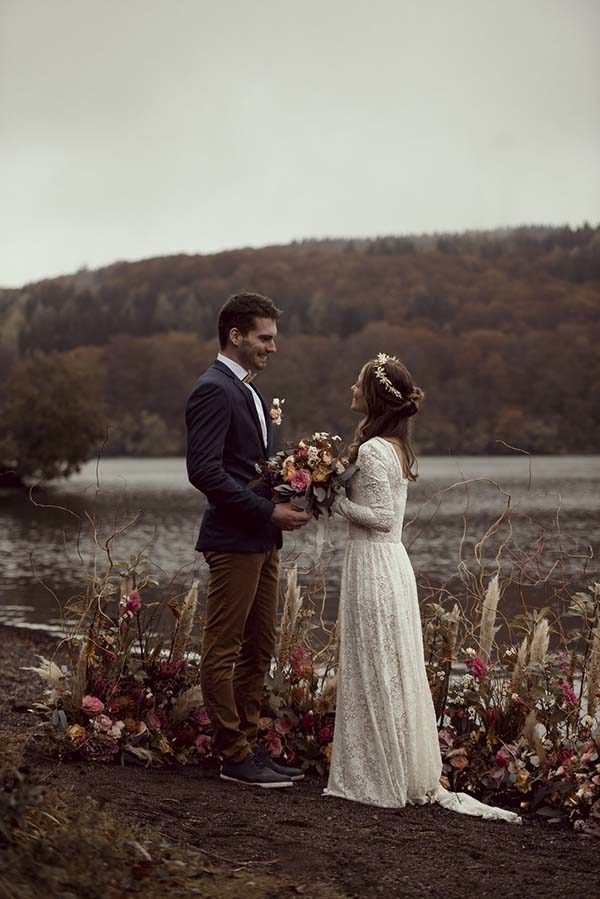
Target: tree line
[500, 329]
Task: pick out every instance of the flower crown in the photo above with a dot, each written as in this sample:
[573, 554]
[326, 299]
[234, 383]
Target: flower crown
[381, 376]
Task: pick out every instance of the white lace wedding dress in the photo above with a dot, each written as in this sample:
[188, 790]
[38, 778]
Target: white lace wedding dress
[385, 747]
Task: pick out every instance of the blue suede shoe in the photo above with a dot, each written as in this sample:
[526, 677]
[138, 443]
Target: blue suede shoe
[249, 772]
[264, 760]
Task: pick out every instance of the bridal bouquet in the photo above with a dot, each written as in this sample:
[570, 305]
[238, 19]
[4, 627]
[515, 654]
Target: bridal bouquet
[308, 475]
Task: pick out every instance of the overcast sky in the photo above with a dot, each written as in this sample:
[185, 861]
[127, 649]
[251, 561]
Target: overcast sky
[133, 128]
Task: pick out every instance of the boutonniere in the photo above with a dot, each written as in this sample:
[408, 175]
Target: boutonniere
[276, 412]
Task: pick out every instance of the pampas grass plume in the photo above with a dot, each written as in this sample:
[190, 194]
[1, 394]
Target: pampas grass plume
[487, 629]
[539, 642]
[185, 623]
[519, 668]
[291, 607]
[593, 677]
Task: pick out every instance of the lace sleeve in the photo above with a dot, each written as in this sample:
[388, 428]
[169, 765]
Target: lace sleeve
[379, 514]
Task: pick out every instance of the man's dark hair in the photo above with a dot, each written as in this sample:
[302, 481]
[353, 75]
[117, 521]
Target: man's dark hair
[241, 311]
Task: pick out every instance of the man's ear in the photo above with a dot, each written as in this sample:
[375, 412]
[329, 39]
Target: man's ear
[235, 336]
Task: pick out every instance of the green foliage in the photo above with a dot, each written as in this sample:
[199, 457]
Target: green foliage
[52, 417]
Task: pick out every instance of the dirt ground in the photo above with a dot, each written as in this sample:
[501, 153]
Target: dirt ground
[357, 850]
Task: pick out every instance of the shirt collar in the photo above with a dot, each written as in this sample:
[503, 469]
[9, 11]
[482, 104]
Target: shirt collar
[238, 370]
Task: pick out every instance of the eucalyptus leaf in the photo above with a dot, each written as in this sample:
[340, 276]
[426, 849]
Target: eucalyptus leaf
[59, 720]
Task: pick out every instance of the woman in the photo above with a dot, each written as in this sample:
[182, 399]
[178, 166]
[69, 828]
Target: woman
[385, 747]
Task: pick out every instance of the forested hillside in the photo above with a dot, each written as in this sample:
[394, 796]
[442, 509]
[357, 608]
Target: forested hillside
[501, 330]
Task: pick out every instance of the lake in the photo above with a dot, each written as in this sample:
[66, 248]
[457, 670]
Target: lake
[554, 521]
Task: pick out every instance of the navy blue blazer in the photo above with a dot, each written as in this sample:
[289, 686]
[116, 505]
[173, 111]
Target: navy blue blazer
[224, 443]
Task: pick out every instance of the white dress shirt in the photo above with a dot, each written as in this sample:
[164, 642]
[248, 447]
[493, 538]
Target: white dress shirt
[240, 372]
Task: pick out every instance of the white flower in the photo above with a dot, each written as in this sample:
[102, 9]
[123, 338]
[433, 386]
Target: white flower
[313, 455]
[534, 761]
[470, 652]
[468, 680]
[337, 437]
[547, 744]
[587, 720]
[276, 411]
[440, 675]
[116, 730]
[515, 697]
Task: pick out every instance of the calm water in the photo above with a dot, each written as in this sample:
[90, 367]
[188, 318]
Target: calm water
[554, 514]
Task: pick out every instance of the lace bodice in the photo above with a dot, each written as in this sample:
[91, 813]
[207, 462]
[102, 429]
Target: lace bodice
[377, 497]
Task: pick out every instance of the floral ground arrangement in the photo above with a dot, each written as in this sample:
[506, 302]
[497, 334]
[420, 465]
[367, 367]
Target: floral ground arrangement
[109, 830]
[518, 722]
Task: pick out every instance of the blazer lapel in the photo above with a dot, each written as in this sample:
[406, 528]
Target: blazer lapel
[251, 407]
[249, 399]
[267, 419]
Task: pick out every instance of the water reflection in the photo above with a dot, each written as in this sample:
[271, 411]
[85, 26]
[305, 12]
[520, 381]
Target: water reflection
[45, 542]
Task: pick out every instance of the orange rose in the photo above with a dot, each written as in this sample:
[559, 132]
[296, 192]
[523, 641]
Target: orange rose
[289, 469]
[265, 723]
[320, 474]
[327, 750]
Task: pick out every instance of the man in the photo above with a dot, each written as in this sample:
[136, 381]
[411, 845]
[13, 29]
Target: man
[229, 430]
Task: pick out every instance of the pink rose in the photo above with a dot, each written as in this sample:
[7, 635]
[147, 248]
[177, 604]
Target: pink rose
[301, 480]
[201, 718]
[202, 744]
[477, 667]
[283, 725]
[103, 723]
[92, 705]
[134, 602]
[274, 745]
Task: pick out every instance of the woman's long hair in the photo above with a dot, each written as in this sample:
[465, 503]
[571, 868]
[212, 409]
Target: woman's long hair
[388, 414]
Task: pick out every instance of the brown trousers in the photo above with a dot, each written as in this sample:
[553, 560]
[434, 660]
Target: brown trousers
[238, 644]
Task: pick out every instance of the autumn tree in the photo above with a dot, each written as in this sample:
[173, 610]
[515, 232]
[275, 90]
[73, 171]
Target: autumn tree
[52, 418]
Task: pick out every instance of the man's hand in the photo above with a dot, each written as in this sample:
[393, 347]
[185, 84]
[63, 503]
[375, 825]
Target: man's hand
[288, 519]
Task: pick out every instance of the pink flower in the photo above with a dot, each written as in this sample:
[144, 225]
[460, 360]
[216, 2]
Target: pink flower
[274, 746]
[504, 756]
[446, 740]
[308, 723]
[202, 744]
[92, 705]
[301, 480]
[477, 667]
[152, 720]
[297, 657]
[201, 718]
[283, 725]
[103, 723]
[326, 735]
[568, 693]
[134, 602]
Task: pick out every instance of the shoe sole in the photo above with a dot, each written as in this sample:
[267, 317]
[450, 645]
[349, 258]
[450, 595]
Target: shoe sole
[255, 783]
[297, 777]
